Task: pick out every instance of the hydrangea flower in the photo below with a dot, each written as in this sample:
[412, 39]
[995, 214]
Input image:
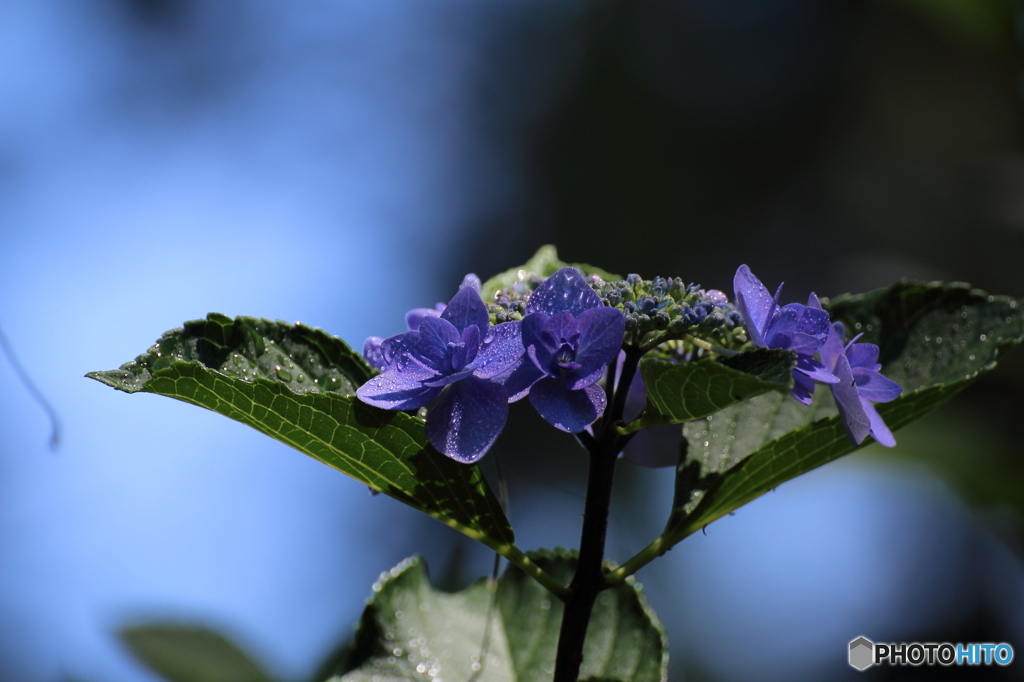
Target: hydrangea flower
[794, 327]
[860, 386]
[372, 347]
[457, 357]
[569, 337]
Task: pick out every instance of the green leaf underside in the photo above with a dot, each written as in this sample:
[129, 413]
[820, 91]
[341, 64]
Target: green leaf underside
[295, 384]
[410, 631]
[682, 392]
[934, 340]
[180, 653]
[544, 263]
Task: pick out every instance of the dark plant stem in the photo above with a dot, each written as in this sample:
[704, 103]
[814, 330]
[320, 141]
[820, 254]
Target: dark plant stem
[589, 578]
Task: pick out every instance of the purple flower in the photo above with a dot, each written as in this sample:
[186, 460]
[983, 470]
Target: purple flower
[455, 356]
[794, 327]
[860, 385]
[569, 337]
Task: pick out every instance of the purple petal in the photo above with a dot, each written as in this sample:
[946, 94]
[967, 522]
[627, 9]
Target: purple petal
[601, 333]
[392, 390]
[471, 281]
[851, 411]
[561, 328]
[797, 328]
[533, 329]
[564, 409]
[874, 387]
[879, 431]
[502, 350]
[754, 303]
[813, 321]
[521, 380]
[813, 302]
[468, 418]
[814, 370]
[466, 309]
[863, 355]
[655, 447]
[832, 348]
[416, 315]
[372, 353]
[566, 290]
[442, 381]
[400, 354]
[466, 351]
[537, 337]
[803, 388]
[430, 344]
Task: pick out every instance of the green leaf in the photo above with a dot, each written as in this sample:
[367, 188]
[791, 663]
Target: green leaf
[544, 263]
[682, 392]
[934, 340]
[295, 384]
[410, 631]
[180, 653]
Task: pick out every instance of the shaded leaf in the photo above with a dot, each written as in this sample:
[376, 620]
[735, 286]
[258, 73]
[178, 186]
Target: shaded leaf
[181, 653]
[544, 263]
[295, 384]
[682, 392]
[934, 340]
[410, 631]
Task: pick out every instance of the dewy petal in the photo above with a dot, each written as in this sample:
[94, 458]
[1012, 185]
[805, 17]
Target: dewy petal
[392, 390]
[813, 321]
[879, 431]
[533, 329]
[875, 387]
[431, 342]
[754, 303]
[466, 309]
[561, 328]
[501, 351]
[564, 409]
[471, 281]
[862, 355]
[416, 315]
[566, 290]
[537, 341]
[468, 418]
[851, 411]
[465, 352]
[518, 384]
[832, 348]
[601, 333]
[399, 354]
[372, 352]
[814, 370]
[442, 381]
[803, 388]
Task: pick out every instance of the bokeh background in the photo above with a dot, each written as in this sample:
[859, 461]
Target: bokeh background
[339, 163]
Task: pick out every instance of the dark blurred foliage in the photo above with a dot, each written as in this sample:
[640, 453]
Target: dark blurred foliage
[837, 146]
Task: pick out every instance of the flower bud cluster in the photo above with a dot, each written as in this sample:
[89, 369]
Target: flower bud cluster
[673, 308]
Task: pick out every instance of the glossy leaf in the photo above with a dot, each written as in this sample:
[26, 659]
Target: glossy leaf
[683, 392]
[544, 263]
[180, 653]
[295, 384]
[934, 340]
[410, 631]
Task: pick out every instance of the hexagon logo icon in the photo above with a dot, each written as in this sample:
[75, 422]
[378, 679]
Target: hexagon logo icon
[862, 653]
